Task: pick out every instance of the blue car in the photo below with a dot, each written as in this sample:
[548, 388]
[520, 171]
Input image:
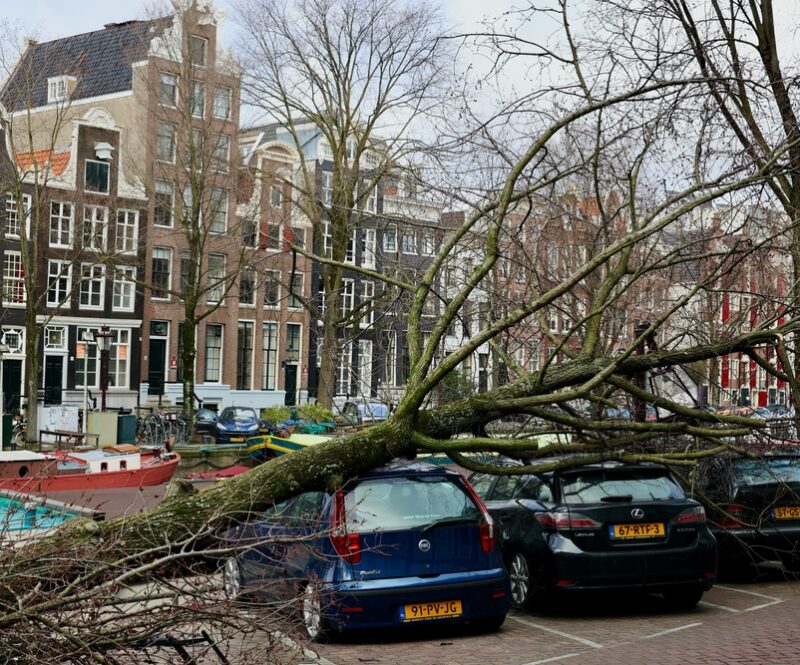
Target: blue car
[404, 544]
[236, 424]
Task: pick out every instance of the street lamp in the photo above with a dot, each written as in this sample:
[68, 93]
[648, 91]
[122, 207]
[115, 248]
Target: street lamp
[87, 337]
[103, 339]
[3, 349]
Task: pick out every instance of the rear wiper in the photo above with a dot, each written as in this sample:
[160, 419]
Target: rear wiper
[449, 520]
[617, 498]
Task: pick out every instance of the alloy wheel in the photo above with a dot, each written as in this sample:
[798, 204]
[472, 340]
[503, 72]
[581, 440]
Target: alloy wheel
[231, 579]
[312, 611]
[519, 576]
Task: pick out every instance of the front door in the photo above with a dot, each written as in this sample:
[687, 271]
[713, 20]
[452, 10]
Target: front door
[12, 385]
[53, 377]
[290, 384]
[155, 368]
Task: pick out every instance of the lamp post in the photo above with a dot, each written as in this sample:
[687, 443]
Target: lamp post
[87, 337]
[3, 349]
[103, 339]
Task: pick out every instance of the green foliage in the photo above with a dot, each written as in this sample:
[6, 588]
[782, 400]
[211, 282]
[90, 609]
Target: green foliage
[275, 414]
[455, 387]
[315, 413]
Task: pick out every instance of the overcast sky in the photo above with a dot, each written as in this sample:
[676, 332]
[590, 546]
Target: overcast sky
[50, 19]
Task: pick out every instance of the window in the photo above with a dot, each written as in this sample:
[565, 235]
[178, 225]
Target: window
[188, 276]
[372, 198]
[274, 236]
[86, 364]
[272, 288]
[368, 253]
[13, 221]
[92, 286]
[298, 236]
[162, 266]
[13, 279]
[364, 371]
[247, 287]
[249, 233]
[96, 176]
[244, 356]
[198, 47]
[165, 142]
[60, 224]
[59, 282]
[124, 288]
[269, 346]
[198, 99]
[58, 88]
[390, 239]
[367, 296]
[127, 234]
[219, 211]
[350, 252]
[296, 291]
[118, 359]
[327, 239]
[327, 187]
[55, 338]
[220, 153]
[293, 332]
[168, 89]
[164, 200]
[194, 150]
[216, 277]
[276, 196]
[95, 224]
[213, 371]
[343, 368]
[428, 245]
[409, 241]
[347, 297]
[222, 102]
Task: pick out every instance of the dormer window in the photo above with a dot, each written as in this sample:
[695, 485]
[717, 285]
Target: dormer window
[197, 50]
[59, 88]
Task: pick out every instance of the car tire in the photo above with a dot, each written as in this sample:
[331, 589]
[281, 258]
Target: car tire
[489, 624]
[683, 598]
[232, 580]
[315, 622]
[521, 580]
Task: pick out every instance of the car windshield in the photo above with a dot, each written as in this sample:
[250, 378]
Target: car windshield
[406, 502]
[769, 470]
[238, 413]
[601, 485]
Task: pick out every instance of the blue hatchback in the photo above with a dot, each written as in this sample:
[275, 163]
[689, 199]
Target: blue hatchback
[404, 544]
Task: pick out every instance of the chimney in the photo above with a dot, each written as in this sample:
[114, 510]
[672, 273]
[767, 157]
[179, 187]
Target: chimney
[30, 41]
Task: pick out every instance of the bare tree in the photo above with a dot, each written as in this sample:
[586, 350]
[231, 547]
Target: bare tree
[351, 77]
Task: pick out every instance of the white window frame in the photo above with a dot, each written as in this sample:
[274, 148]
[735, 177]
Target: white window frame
[390, 247]
[269, 355]
[168, 287]
[367, 296]
[226, 94]
[55, 338]
[86, 163]
[173, 138]
[251, 272]
[126, 235]
[364, 371]
[348, 297]
[344, 368]
[408, 233]
[210, 378]
[13, 224]
[218, 204]
[56, 271]
[327, 187]
[92, 286]
[221, 154]
[119, 363]
[298, 284]
[368, 255]
[96, 223]
[123, 297]
[197, 39]
[163, 188]
[58, 88]
[273, 278]
[198, 102]
[371, 203]
[215, 276]
[13, 282]
[276, 196]
[61, 231]
[167, 80]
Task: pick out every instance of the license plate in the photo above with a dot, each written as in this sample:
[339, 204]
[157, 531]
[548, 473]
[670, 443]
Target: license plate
[237, 439]
[787, 513]
[437, 610]
[626, 531]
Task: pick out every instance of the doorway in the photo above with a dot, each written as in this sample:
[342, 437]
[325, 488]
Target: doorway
[290, 383]
[156, 366]
[53, 379]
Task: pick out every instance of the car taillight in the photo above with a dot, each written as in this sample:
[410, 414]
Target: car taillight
[696, 515]
[732, 516]
[486, 527]
[346, 545]
[565, 521]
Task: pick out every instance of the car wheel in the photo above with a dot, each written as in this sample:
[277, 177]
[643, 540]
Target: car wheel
[522, 583]
[489, 624]
[683, 599]
[232, 583]
[314, 621]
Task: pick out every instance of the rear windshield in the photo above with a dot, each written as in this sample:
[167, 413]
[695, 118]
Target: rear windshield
[601, 486]
[769, 470]
[406, 502]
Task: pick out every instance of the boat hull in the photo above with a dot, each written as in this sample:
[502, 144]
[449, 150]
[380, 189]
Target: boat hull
[151, 473]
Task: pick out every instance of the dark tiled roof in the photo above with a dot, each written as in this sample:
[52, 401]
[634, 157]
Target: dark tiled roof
[101, 62]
